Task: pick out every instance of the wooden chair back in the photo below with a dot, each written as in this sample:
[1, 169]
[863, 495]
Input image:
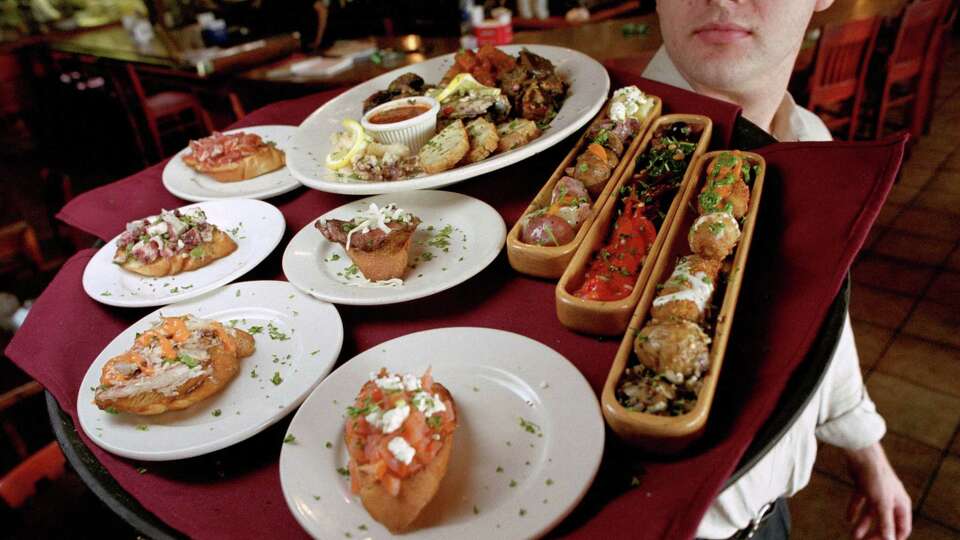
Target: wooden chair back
[843, 56]
[913, 39]
[19, 240]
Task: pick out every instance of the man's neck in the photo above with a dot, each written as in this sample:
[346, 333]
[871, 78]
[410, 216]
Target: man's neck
[759, 104]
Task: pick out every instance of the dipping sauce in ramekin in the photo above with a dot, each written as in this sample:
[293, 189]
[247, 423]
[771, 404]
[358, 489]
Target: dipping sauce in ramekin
[410, 121]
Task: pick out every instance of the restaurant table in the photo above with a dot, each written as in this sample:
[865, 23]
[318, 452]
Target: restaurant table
[777, 353]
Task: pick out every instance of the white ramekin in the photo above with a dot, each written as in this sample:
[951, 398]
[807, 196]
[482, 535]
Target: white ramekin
[414, 132]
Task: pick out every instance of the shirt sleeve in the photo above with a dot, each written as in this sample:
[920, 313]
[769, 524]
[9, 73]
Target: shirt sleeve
[847, 417]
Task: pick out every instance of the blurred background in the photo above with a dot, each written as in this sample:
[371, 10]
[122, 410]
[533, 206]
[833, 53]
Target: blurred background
[92, 91]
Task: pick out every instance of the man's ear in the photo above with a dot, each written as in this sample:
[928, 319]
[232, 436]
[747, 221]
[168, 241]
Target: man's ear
[822, 5]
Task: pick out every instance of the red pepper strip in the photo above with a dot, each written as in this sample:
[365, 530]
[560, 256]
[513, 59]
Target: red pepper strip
[613, 271]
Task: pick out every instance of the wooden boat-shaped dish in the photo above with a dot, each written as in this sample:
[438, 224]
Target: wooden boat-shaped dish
[670, 434]
[611, 317]
[551, 261]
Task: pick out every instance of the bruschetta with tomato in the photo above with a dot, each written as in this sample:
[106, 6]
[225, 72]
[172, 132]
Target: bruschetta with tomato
[171, 243]
[234, 157]
[399, 433]
[177, 363]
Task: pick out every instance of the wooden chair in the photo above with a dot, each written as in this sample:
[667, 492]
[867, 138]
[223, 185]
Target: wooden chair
[20, 483]
[933, 63]
[168, 108]
[836, 89]
[905, 64]
[18, 245]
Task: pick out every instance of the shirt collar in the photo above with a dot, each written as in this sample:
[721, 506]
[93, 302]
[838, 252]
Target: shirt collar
[787, 125]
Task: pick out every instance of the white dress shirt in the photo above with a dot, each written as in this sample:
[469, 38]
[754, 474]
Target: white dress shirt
[840, 411]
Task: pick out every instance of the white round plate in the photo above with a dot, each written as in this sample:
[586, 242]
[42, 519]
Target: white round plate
[475, 234]
[503, 481]
[190, 185]
[299, 340]
[589, 84]
[255, 226]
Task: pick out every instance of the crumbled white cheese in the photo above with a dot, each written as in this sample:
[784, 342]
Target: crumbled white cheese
[629, 102]
[429, 406]
[394, 418]
[401, 450]
[391, 383]
[411, 383]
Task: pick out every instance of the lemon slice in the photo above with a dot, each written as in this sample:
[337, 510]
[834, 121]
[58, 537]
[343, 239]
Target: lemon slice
[463, 82]
[341, 158]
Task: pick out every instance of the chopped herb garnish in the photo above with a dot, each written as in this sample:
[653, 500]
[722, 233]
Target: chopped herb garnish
[529, 426]
[142, 470]
[289, 439]
[188, 360]
[513, 483]
[549, 482]
[329, 444]
[277, 379]
[255, 330]
[112, 410]
[143, 427]
[343, 471]
[499, 469]
[275, 333]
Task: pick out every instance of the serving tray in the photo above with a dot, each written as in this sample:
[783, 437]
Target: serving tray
[551, 261]
[669, 434]
[611, 317]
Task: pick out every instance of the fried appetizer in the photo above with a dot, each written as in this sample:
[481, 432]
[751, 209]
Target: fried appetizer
[516, 133]
[483, 140]
[400, 435]
[171, 243]
[377, 241]
[725, 189]
[688, 291]
[234, 157]
[445, 149]
[714, 235]
[676, 349]
[177, 363]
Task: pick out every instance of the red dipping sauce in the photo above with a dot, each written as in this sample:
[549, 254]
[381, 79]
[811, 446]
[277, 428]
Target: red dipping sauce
[398, 114]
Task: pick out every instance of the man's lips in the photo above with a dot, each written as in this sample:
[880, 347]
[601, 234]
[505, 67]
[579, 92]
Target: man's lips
[720, 33]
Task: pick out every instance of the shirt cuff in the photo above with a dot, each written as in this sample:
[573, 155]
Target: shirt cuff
[857, 428]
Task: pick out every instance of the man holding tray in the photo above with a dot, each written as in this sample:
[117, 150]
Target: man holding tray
[743, 51]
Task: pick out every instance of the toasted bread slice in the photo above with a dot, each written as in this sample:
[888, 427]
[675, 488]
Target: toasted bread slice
[221, 246]
[516, 133]
[398, 513]
[267, 158]
[445, 149]
[224, 365]
[389, 261]
[483, 139]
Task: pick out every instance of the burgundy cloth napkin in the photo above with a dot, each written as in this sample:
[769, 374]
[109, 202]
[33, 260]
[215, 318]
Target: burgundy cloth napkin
[819, 203]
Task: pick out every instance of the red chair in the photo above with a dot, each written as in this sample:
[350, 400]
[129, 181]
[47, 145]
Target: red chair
[167, 108]
[20, 483]
[905, 64]
[930, 78]
[836, 89]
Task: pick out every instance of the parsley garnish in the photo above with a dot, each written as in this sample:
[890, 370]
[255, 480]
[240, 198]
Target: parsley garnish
[188, 360]
[343, 471]
[253, 330]
[289, 439]
[216, 412]
[529, 426]
[275, 333]
[277, 379]
[143, 427]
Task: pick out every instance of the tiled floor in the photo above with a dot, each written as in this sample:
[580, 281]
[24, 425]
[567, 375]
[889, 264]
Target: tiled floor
[906, 316]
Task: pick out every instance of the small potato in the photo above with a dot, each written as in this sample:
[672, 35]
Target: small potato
[516, 133]
[547, 230]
